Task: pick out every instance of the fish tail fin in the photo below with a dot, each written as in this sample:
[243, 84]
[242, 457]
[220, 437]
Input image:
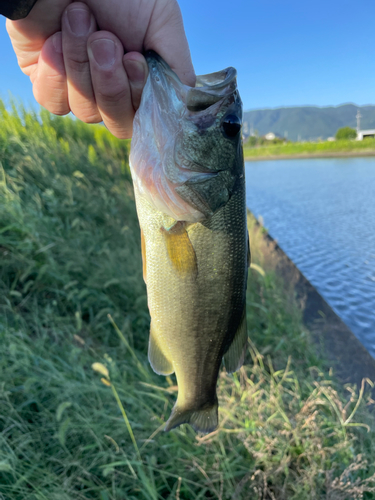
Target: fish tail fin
[203, 420]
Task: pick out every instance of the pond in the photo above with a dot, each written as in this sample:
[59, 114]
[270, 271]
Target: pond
[322, 214]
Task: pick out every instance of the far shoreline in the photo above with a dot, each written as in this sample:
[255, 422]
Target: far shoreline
[300, 156]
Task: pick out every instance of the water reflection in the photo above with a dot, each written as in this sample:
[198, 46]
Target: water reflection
[322, 213]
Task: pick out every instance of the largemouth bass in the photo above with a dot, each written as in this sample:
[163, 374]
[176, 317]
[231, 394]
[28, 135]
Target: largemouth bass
[188, 173]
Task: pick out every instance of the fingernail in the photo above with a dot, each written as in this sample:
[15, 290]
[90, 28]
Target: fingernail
[135, 71]
[57, 42]
[79, 21]
[104, 52]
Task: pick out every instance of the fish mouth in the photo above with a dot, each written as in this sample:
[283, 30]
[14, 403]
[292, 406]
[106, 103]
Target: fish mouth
[208, 90]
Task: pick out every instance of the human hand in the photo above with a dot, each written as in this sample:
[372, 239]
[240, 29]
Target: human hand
[75, 67]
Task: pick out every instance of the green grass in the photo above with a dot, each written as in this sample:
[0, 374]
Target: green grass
[311, 148]
[72, 294]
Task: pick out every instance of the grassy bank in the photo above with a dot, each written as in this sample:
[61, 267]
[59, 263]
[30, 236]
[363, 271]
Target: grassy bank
[310, 149]
[69, 262]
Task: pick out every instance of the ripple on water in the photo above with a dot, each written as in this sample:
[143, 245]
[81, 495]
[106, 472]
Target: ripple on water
[322, 213]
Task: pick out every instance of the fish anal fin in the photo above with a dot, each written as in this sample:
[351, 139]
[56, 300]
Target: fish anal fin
[143, 249]
[204, 419]
[180, 250]
[235, 355]
[158, 361]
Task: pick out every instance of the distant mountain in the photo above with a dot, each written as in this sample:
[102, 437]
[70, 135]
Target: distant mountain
[307, 123]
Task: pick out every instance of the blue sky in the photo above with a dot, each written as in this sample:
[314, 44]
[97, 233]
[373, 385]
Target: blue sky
[286, 52]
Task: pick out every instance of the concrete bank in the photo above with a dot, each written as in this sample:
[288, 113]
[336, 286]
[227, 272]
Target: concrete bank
[338, 154]
[350, 361]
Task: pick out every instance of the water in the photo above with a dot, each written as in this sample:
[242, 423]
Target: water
[322, 213]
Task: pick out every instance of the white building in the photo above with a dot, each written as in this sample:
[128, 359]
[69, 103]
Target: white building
[270, 136]
[362, 134]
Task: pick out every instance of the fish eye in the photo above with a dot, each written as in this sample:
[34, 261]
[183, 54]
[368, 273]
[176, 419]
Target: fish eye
[231, 125]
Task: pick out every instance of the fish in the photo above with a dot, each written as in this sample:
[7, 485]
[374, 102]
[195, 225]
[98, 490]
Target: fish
[187, 167]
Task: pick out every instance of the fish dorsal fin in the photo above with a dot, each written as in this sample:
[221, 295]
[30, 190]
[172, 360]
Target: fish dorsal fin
[143, 249]
[235, 355]
[180, 250]
[158, 361]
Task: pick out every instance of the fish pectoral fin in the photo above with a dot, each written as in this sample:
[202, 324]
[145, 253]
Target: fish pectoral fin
[180, 250]
[204, 419]
[158, 361]
[235, 355]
